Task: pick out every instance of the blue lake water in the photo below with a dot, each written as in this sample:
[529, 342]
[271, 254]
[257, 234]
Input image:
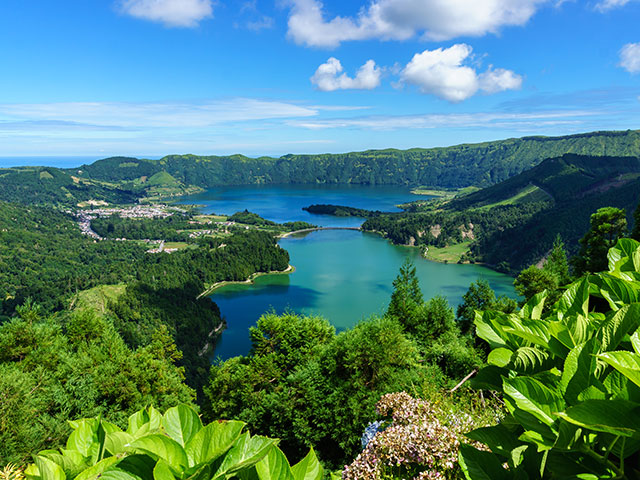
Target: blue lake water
[343, 275]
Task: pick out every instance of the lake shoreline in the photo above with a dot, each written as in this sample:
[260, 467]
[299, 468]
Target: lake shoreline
[209, 290]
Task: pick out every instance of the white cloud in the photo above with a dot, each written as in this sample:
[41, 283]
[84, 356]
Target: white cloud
[172, 13]
[630, 57]
[453, 120]
[155, 115]
[607, 5]
[402, 19]
[499, 80]
[328, 77]
[442, 73]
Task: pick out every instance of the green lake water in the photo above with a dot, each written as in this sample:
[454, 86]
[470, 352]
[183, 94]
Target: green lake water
[343, 275]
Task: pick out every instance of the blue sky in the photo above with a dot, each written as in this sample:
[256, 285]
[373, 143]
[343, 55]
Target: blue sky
[154, 77]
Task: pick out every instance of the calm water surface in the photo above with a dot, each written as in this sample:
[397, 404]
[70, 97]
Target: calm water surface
[343, 275]
[283, 203]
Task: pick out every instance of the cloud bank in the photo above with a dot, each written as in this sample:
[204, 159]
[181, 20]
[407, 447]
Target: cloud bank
[171, 13]
[442, 73]
[329, 77]
[402, 19]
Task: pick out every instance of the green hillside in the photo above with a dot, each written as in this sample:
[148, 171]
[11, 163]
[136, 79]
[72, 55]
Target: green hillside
[125, 179]
[480, 164]
[517, 220]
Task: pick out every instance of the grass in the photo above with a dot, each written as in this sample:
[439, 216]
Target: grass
[530, 193]
[96, 298]
[177, 245]
[450, 254]
[433, 192]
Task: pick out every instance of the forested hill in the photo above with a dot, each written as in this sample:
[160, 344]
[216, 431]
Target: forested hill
[480, 164]
[516, 221]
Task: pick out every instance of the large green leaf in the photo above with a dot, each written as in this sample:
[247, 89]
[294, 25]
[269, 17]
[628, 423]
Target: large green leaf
[486, 330]
[534, 307]
[616, 291]
[500, 357]
[535, 398]
[623, 322]
[162, 471]
[308, 468]
[116, 442]
[618, 417]
[499, 438]
[246, 451]
[575, 300]
[212, 441]
[580, 371]
[118, 474]
[71, 461]
[139, 465]
[534, 331]
[48, 469]
[94, 472]
[274, 466]
[530, 360]
[627, 363]
[479, 465]
[181, 423]
[164, 448]
[84, 437]
[624, 259]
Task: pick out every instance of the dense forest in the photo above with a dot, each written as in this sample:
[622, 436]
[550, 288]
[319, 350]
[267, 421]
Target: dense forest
[46, 260]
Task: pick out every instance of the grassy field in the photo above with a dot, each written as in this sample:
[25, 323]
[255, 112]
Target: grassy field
[449, 254]
[176, 245]
[96, 298]
[530, 193]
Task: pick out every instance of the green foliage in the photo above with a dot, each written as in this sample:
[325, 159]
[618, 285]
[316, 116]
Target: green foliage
[608, 224]
[308, 386]
[406, 298]
[557, 263]
[480, 296]
[569, 380]
[172, 446]
[144, 228]
[74, 365]
[553, 275]
[43, 256]
[534, 280]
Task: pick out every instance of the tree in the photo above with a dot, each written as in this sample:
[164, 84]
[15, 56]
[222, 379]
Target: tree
[534, 280]
[635, 234]
[406, 298]
[608, 224]
[435, 319]
[480, 296]
[557, 263]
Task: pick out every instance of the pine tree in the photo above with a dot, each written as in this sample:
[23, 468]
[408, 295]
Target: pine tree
[406, 298]
[557, 263]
